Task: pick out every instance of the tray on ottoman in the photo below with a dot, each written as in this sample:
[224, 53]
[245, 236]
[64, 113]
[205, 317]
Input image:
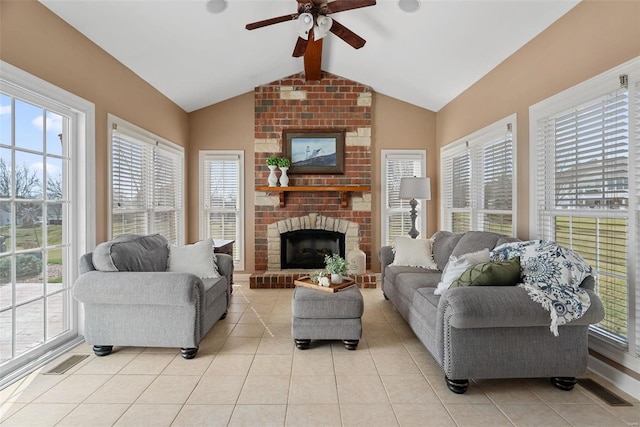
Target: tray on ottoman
[333, 287]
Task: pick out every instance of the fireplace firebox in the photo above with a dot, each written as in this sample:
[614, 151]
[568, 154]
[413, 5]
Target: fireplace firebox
[307, 248]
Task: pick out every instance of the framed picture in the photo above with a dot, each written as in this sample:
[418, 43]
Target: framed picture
[315, 151]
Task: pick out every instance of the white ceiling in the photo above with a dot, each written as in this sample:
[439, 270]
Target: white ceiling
[197, 58]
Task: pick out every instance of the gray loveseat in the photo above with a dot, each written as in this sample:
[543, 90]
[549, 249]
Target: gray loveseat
[486, 331]
[130, 299]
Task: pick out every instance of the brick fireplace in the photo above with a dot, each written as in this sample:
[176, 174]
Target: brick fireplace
[328, 104]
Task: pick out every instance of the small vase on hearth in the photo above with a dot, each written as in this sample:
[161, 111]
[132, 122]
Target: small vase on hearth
[284, 179]
[273, 178]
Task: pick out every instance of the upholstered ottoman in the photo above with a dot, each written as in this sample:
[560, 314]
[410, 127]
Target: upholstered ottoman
[319, 315]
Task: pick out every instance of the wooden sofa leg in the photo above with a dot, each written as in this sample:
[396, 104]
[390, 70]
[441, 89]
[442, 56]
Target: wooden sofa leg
[564, 383]
[224, 316]
[457, 386]
[189, 353]
[102, 350]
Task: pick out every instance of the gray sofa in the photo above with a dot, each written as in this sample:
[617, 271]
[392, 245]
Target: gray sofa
[486, 331]
[130, 299]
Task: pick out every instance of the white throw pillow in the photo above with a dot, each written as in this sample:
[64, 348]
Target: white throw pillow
[413, 253]
[198, 259]
[458, 265]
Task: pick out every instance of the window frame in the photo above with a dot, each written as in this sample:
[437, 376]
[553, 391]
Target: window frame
[475, 143]
[153, 141]
[599, 85]
[421, 221]
[204, 230]
[81, 184]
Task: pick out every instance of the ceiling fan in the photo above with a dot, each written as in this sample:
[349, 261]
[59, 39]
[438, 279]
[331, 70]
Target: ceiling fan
[313, 24]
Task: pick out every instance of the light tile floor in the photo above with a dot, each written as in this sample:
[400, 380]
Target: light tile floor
[249, 373]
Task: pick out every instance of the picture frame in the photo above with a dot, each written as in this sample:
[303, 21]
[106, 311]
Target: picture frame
[315, 151]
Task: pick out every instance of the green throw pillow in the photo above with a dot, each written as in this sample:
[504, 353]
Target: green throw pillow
[503, 273]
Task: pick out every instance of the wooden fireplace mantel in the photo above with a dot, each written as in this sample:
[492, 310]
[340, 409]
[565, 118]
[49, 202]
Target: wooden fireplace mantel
[344, 191]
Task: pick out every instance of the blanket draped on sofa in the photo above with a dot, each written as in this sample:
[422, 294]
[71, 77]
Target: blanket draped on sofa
[551, 275]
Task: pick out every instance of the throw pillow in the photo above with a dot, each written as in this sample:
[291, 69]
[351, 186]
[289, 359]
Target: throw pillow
[458, 265]
[132, 252]
[198, 259]
[502, 273]
[413, 253]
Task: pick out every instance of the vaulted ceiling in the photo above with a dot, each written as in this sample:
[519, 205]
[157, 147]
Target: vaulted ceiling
[197, 58]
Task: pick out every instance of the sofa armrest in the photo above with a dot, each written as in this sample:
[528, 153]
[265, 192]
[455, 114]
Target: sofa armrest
[225, 265]
[386, 256]
[124, 287]
[502, 306]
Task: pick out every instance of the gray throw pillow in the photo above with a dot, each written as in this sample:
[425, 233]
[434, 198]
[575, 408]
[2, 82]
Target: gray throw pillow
[132, 252]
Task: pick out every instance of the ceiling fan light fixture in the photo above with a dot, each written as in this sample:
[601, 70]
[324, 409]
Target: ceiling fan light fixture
[216, 6]
[323, 27]
[409, 6]
[305, 23]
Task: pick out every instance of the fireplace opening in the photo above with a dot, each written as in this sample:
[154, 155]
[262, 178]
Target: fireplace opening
[307, 248]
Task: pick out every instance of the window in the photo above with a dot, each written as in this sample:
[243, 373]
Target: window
[586, 190]
[478, 184]
[396, 219]
[222, 199]
[146, 183]
[46, 220]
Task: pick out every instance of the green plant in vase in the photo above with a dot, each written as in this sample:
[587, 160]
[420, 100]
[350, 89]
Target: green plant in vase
[284, 163]
[336, 266]
[272, 164]
[272, 161]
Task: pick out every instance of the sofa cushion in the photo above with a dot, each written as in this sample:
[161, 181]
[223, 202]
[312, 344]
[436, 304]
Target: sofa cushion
[502, 273]
[198, 259]
[407, 283]
[457, 265]
[413, 253]
[443, 244]
[473, 241]
[132, 252]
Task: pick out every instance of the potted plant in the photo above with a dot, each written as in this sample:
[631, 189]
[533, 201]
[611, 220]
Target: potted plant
[284, 163]
[336, 266]
[272, 164]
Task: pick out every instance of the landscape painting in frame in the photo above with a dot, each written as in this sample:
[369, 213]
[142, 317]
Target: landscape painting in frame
[315, 151]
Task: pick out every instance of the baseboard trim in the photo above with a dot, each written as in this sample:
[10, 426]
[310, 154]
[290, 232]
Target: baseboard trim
[622, 381]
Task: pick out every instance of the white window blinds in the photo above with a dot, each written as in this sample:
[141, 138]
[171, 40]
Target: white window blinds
[222, 198]
[587, 189]
[396, 219]
[478, 185]
[146, 185]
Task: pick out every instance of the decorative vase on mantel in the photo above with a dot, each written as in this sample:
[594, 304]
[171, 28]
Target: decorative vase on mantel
[284, 179]
[273, 178]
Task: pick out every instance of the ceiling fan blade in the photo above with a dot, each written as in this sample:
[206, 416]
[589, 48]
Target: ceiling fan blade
[271, 21]
[301, 47]
[313, 59]
[342, 5]
[347, 35]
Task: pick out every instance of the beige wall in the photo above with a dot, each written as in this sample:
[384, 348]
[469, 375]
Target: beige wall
[592, 38]
[398, 125]
[227, 125]
[35, 40]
